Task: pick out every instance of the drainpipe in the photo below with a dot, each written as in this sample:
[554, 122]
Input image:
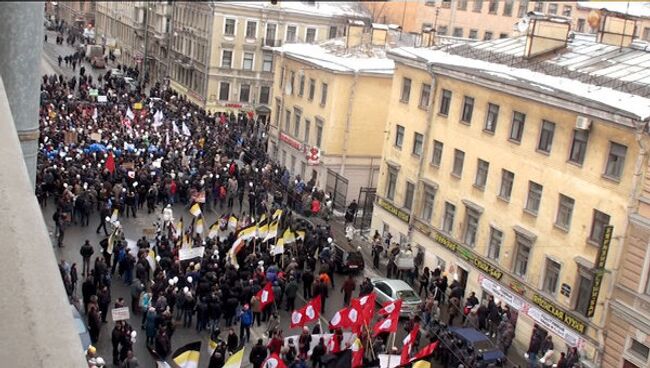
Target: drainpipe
[632, 206]
[427, 138]
[207, 58]
[348, 117]
[21, 35]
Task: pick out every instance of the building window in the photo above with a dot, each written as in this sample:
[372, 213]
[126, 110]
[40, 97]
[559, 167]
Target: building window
[292, 79]
[523, 8]
[267, 62]
[494, 248]
[333, 32]
[251, 29]
[445, 101]
[323, 94]
[442, 30]
[539, 6]
[503, 35]
[639, 350]
[224, 91]
[507, 182]
[287, 120]
[579, 146]
[226, 59]
[291, 34]
[408, 196]
[461, 5]
[319, 132]
[471, 227]
[493, 6]
[646, 33]
[301, 85]
[312, 88]
[418, 143]
[468, 109]
[448, 219]
[551, 276]
[566, 10]
[534, 197]
[552, 8]
[229, 27]
[581, 25]
[491, 117]
[265, 92]
[517, 127]
[507, 8]
[307, 131]
[392, 182]
[459, 159]
[244, 93]
[310, 35]
[598, 224]
[487, 36]
[458, 31]
[248, 61]
[546, 136]
[478, 6]
[523, 246]
[406, 90]
[564, 212]
[473, 34]
[399, 136]
[296, 124]
[615, 160]
[436, 158]
[270, 34]
[425, 96]
[585, 284]
[482, 169]
[429, 198]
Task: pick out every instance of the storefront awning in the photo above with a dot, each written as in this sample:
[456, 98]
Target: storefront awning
[262, 109]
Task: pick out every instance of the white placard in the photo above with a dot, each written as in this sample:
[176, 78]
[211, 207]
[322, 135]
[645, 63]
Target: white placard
[189, 253]
[120, 314]
[102, 99]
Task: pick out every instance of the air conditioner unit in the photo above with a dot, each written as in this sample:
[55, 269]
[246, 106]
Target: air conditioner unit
[583, 123]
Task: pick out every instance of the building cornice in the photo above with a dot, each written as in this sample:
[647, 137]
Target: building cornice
[631, 315]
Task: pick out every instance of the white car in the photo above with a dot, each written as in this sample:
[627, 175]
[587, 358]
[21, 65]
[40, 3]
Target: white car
[389, 290]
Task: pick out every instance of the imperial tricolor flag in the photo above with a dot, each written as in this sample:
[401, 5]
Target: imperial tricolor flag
[195, 210]
[235, 360]
[188, 355]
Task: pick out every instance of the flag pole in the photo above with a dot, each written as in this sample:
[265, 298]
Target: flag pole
[392, 346]
[369, 342]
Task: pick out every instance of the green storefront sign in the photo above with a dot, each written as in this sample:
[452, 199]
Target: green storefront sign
[404, 216]
[559, 313]
[469, 256]
[599, 270]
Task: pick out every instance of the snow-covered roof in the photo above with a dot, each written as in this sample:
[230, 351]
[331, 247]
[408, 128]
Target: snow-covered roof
[316, 8]
[605, 74]
[380, 26]
[362, 61]
[634, 8]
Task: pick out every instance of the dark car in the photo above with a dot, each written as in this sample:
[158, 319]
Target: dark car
[488, 352]
[347, 260]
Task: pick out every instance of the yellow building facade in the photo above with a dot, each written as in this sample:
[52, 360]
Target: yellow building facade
[507, 179]
[334, 106]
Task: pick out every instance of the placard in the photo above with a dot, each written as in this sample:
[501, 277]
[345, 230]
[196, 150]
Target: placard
[128, 166]
[102, 99]
[120, 314]
[96, 137]
[70, 137]
[93, 92]
[189, 253]
[137, 106]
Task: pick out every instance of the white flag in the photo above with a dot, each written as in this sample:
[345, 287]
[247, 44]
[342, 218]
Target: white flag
[95, 115]
[158, 118]
[129, 113]
[175, 128]
[186, 130]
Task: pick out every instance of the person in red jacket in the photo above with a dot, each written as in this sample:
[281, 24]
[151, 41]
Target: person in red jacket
[275, 345]
[172, 192]
[315, 207]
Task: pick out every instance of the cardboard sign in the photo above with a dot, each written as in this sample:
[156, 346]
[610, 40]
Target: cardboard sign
[137, 106]
[96, 137]
[102, 99]
[70, 137]
[189, 253]
[128, 166]
[93, 92]
[120, 314]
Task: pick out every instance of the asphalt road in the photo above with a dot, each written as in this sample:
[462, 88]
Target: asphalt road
[51, 52]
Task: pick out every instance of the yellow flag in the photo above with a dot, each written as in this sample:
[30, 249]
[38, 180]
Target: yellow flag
[235, 360]
[195, 209]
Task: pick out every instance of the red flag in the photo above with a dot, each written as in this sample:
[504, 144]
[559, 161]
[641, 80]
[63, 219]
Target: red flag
[390, 307]
[355, 318]
[337, 320]
[297, 318]
[265, 295]
[334, 343]
[388, 324]
[273, 361]
[366, 304]
[110, 163]
[425, 351]
[408, 344]
[357, 353]
[311, 311]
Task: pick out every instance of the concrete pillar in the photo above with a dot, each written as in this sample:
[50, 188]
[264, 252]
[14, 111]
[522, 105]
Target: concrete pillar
[21, 37]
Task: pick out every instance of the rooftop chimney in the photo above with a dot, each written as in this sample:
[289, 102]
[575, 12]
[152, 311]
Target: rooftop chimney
[545, 34]
[614, 28]
[354, 34]
[379, 34]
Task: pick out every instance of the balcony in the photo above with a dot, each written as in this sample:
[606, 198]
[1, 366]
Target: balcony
[271, 42]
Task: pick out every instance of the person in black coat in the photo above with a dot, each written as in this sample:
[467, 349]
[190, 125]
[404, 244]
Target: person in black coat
[88, 289]
[217, 359]
[258, 354]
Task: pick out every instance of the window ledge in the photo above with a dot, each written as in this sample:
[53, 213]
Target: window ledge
[576, 164]
[437, 166]
[399, 148]
[423, 108]
[481, 188]
[561, 228]
[593, 243]
[514, 141]
[322, 104]
[468, 123]
[488, 131]
[531, 213]
[545, 153]
[502, 198]
[415, 155]
[403, 101]
[442, 115]
[457, 176]
[611, 178]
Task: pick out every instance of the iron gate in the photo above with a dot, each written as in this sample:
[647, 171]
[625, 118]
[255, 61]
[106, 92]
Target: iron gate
[364, 213]
[338, 186]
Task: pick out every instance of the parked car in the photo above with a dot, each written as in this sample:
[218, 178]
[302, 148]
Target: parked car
[79, 324]
[389, 290]
[481, 344]
[116, 73]
[98, 62]
[347, 259]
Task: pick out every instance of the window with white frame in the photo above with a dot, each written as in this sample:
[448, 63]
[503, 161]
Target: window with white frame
[244, 93]
[399, 136]
[291, 34]
[615, 160]
[564, 212]
[491, 117]
[482, 169]
[583, 296]
[534, 198]
[494, 247]
[323, 94]
[247, 63]
[507, 182]
[224, 91]
[436, 158]
[517, 127]
[297, 114]
[551, 276]
[599, 222]
[226, 59]
[310, 35]
[251, 29]
[391, 183]
[406, 90]
[267, 62]
[523, 247]
[425, 95]
[418, 143]
[229, 27]
[301, 85]
[459, 160]
[638, 350]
